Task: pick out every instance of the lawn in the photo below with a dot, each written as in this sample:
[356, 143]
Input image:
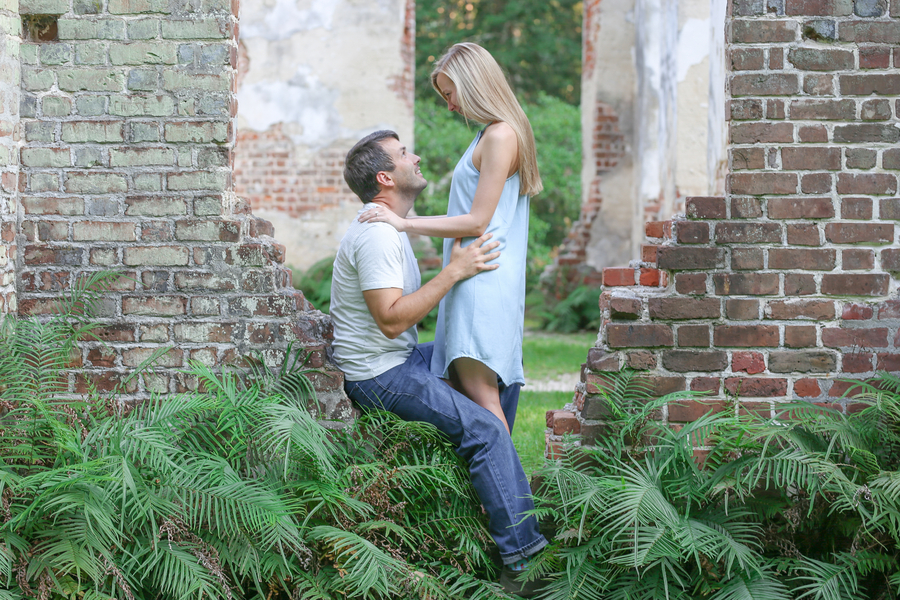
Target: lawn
[546, 356]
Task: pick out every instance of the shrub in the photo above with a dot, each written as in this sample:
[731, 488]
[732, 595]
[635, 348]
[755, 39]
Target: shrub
[315, 283]
[804, 505]
[231, 492]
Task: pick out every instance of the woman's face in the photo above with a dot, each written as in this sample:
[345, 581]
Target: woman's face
[448, 91]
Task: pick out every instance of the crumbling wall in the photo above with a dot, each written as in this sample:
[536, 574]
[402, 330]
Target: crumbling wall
[787, 285]
[10, 32]
[652, 98]
[316, 76]
[127, 113]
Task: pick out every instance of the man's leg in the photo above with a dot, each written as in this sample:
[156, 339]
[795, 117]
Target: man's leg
[414, 394]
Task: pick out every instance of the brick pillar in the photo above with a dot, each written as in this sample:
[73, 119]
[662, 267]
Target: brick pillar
[788, 283]
[9, 149]
[127, 165]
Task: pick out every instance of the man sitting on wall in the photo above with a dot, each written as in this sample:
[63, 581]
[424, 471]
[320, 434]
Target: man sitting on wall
[376, 301]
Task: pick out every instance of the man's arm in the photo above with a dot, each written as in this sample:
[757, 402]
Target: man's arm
[394, 313]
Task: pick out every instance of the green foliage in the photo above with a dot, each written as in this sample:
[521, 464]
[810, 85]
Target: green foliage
[805, 505]
[235, 491]
[537, 42]
[315, 283]
[576, 311]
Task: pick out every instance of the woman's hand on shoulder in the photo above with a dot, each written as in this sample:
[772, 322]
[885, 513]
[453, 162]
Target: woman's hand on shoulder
[382, 214]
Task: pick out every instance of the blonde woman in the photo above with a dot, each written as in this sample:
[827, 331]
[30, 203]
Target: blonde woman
[481, 319]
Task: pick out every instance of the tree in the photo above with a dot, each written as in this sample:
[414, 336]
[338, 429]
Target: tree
[538, 42]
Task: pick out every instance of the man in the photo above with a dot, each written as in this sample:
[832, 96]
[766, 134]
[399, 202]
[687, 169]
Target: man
[376, 301]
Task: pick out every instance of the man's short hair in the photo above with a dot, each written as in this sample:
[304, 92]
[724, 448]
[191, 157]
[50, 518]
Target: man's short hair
[364, 161]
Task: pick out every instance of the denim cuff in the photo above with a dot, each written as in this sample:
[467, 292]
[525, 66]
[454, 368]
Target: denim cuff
[529, 550]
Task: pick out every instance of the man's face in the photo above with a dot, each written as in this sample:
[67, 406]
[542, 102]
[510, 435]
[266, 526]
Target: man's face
[406, 174]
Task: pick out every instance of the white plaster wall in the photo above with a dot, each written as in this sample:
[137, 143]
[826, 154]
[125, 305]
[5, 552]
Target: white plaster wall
[328, 72]
[612, 81]
[660, 64]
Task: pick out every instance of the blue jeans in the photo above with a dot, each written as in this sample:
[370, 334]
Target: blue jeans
[413, 393]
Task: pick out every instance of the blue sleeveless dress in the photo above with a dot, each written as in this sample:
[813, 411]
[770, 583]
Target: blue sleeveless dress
[483, 317]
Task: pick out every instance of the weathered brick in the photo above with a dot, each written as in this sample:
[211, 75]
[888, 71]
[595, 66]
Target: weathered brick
[154, 206]
[136, 356]
[799, 336]
[866, 132]
[198, 280]
[739, 232]
[799, 284]
[689, 232]
[839, 337]
[890, 260]
[816, 8]
[821, 59]
[857, 362]
[878, 109]
[219, 333]
[154, 306]
[746, 336]
[890, 159]
[765, 133]
[756, 387]
[46, 157]
[742, 309]
[103, 231]
[748, 362]
[875, 284]
[688, 411]
[142, 53]
[801, 258]
[181, 80]
[885, 32]
[694, 360]
[746, 208]
[156, 255]
[746, 284]
[856, 208]
[800, 208]
[202, 132]
[854, 233]
[826, 110]
[196, 29]
[639, 336]
[140, 106]
[803, 234]
[811, 159]
[858, 259]
[624, 308]
[876, 184]
[95, 183]
[761, 184]
[748, 159]
[691, 258]
[141, 157]
[812, 134]
[600, 360]
[693, 336]
[747, 59]
[93, 131]
[889, 209]
[642, 360]
[684, 308]
[748, 109]
[747, 259]
[759, 31]
[818, 84]
[198, 180]
[801, 309]
[874, 57]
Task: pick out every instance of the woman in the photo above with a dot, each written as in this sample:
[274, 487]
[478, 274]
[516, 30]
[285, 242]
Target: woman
[480, 321]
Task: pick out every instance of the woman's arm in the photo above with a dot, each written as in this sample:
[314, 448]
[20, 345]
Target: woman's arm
[499, 152]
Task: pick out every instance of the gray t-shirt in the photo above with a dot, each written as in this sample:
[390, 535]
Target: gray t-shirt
[371, 256]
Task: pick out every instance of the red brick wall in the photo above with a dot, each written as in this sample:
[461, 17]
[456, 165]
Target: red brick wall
[787, 284]
[9, 156]
[127, 166]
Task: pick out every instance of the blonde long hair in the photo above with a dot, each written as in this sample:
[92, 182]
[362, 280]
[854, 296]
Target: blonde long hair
[485, 96]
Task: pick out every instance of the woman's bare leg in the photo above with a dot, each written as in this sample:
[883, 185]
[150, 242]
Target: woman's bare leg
[477, 381]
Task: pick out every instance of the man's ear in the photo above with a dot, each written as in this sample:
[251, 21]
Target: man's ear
[384, 179]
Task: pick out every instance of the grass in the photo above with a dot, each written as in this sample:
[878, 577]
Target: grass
[528, 432]
[546, 356]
